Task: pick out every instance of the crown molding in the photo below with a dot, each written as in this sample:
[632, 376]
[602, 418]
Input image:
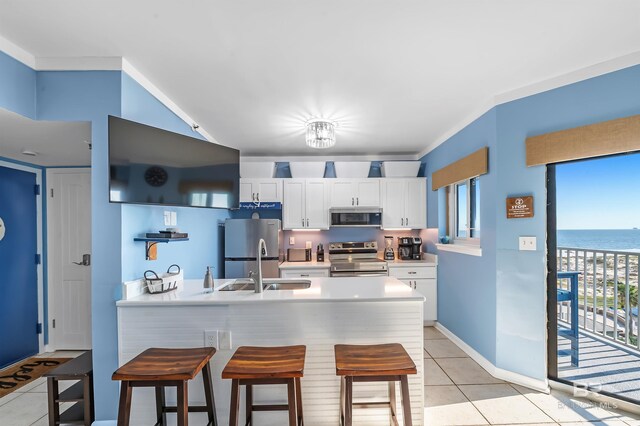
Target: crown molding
[83, 63]
[336, 157]
[17, 52]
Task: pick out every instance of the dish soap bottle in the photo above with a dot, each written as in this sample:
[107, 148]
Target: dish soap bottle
[208, 281]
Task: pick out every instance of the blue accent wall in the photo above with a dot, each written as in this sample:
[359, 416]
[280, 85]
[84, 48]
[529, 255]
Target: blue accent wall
[466, 284]
[497, 303]
[205, 245]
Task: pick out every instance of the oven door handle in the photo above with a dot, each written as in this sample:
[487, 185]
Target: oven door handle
[359, 274]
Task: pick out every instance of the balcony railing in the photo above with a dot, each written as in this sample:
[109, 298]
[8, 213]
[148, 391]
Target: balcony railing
[607, 292]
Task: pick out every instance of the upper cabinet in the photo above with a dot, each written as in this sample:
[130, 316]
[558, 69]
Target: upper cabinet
[305, 204]
[355, 192]
[261, 190]
[404, 203]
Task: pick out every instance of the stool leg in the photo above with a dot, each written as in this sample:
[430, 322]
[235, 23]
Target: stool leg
[299, 401]
[248, 405]
[86, 383]
[406, 403]
[348, 401]
[161, 415]
[235, 402]
[52, 394]
[183, 403]
[208, 395]
[341, 400]
[124, 408]
[392, 402]
[291, 388]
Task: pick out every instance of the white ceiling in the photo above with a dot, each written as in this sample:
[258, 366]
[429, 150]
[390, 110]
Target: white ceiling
[56, 143]
[396, 75]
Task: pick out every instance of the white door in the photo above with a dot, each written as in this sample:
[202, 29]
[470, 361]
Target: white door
[317, 204]
[368, 192]
[416, 211]
[293, 204]
[342, 193]
[268, 190]
[69, 251]
[393, 203]
[429, 289]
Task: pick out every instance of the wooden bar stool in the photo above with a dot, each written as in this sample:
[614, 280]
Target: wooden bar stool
[158, 368]
[252, 365]
[373, 363]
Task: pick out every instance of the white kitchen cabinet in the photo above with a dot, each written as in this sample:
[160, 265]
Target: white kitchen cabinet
[304, 273]
[305, 204]
[261, 190]
[355, 192]
[423, 279]
[404, 203]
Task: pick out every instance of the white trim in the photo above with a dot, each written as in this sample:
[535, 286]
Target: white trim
[597, 397]
[79, 63]
[164, 99]
[39, 244]
[498, 373]
[582, 74]
[469, 249]
[17, 52]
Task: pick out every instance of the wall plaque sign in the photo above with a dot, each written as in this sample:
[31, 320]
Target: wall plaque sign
[519, 207]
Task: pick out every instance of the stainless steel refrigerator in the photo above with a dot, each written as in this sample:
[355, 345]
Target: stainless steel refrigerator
[241, 238]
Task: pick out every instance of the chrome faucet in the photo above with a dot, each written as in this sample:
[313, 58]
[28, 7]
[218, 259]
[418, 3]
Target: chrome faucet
[261, 244]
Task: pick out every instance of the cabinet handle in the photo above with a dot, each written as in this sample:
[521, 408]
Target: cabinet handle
[253, 196]
[303, 222]
[352, 201]
[358, 201]
[412, 272]
[402, 221]
[304, 275]
[307, 222]
[415, 285]
[258, 196]
[406, 220]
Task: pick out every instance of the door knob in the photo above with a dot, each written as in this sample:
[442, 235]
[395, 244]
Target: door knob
[86, 260]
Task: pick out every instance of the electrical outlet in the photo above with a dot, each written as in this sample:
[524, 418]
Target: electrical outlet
[527, 243]
[308, 244]
[211, 338]
[292, 241]
[224, 340]
[167, 218]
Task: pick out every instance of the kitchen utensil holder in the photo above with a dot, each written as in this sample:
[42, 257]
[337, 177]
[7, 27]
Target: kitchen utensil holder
[162, 284]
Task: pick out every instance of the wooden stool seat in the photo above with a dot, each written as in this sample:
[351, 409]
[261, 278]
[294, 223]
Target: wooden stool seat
[373, 360]
[373, 363]
[165, 364]
[160, 367]
[254, 365]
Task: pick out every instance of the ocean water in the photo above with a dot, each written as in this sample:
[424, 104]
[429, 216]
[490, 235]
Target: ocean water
[604, 239]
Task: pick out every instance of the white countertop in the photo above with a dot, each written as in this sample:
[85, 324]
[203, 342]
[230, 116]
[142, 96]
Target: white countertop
[352, 289]
[306, 265]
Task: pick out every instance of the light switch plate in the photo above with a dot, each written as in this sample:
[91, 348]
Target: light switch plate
[167, 218]
[174, 218]
[527, 243]
[224, 340]
[292, 241]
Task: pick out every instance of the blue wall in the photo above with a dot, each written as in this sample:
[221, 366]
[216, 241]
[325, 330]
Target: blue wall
[204, 247]
[466, 284]
[497, 303]
[17, 86]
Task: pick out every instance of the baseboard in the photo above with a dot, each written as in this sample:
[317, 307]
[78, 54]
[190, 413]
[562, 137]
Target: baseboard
[604, 400]
[498, 373]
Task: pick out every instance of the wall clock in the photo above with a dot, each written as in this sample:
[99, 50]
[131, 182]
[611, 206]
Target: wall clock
[156, 176]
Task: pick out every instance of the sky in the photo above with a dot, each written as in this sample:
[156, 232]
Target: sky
[599, 193]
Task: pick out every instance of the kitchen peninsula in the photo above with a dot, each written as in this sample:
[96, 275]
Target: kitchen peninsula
[362, 310]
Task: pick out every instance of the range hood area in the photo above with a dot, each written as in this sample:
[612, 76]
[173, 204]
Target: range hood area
[355, 217]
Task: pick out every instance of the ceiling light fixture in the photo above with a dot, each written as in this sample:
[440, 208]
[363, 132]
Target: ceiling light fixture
[29, 153]
[321, 133]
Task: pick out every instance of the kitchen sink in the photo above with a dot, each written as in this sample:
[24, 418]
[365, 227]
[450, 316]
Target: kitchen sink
[289, 285]
[268, 284]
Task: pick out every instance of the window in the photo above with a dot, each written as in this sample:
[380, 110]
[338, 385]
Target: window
[464, 211]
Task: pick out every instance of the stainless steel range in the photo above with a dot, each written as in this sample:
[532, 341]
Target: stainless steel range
[352, 259]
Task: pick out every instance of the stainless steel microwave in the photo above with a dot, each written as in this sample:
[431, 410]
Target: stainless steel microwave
[356, 217]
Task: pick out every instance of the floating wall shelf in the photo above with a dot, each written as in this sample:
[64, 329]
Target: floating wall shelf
[151, 243]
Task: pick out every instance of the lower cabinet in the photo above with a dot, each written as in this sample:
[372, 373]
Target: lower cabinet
[304, 273]
[422, 279]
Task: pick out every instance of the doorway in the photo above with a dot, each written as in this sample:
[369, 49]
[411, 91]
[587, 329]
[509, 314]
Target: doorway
[69, 257]
[19, 259]
[593, 245]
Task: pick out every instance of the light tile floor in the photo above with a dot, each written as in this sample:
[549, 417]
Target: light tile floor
[460, 392]
[457, 392]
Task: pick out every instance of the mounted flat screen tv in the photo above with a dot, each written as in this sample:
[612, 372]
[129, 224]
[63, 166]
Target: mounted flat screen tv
[148, 165]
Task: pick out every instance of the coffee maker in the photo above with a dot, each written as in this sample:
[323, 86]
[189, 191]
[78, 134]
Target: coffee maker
[405, 248]
[416, 248]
